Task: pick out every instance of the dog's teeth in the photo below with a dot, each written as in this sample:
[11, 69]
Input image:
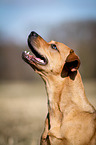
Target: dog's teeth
[38, 59]
[41, 61]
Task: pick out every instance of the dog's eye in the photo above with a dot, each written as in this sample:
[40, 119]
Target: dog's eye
[54, 46]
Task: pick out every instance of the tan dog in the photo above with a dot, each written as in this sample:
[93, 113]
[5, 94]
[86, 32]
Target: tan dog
[71, 119]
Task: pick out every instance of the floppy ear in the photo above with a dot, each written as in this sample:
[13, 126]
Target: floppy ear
[72, 63]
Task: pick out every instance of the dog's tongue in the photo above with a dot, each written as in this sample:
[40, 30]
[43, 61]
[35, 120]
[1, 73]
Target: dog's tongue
[40, 60]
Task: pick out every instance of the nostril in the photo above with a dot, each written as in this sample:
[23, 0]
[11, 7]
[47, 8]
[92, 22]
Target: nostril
[34, 34]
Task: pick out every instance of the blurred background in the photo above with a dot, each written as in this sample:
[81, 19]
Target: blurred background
[23, 99]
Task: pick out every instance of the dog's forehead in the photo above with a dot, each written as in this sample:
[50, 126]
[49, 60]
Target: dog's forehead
[57, 43]
[52, 41]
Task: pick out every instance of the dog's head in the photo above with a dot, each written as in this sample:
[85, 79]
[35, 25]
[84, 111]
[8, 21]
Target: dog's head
[50, 58]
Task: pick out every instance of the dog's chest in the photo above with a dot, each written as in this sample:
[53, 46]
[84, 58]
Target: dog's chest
[55, 114]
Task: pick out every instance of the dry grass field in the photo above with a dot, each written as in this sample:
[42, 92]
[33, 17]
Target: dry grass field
[23, 108]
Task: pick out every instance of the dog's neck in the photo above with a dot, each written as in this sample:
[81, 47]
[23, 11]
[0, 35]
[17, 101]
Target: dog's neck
[67, 89]
[64, 96]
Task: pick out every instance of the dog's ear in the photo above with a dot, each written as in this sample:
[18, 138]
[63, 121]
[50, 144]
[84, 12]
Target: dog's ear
[72, 63]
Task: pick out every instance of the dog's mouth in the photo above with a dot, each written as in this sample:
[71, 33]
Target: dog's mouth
[34, 59]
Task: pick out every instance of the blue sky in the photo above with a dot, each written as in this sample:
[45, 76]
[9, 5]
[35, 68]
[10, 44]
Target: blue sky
[18, 18]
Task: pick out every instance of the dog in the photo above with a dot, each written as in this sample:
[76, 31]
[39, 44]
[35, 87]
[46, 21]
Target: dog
[71, 119]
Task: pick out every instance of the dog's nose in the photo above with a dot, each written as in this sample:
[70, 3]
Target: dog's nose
[33, 34]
